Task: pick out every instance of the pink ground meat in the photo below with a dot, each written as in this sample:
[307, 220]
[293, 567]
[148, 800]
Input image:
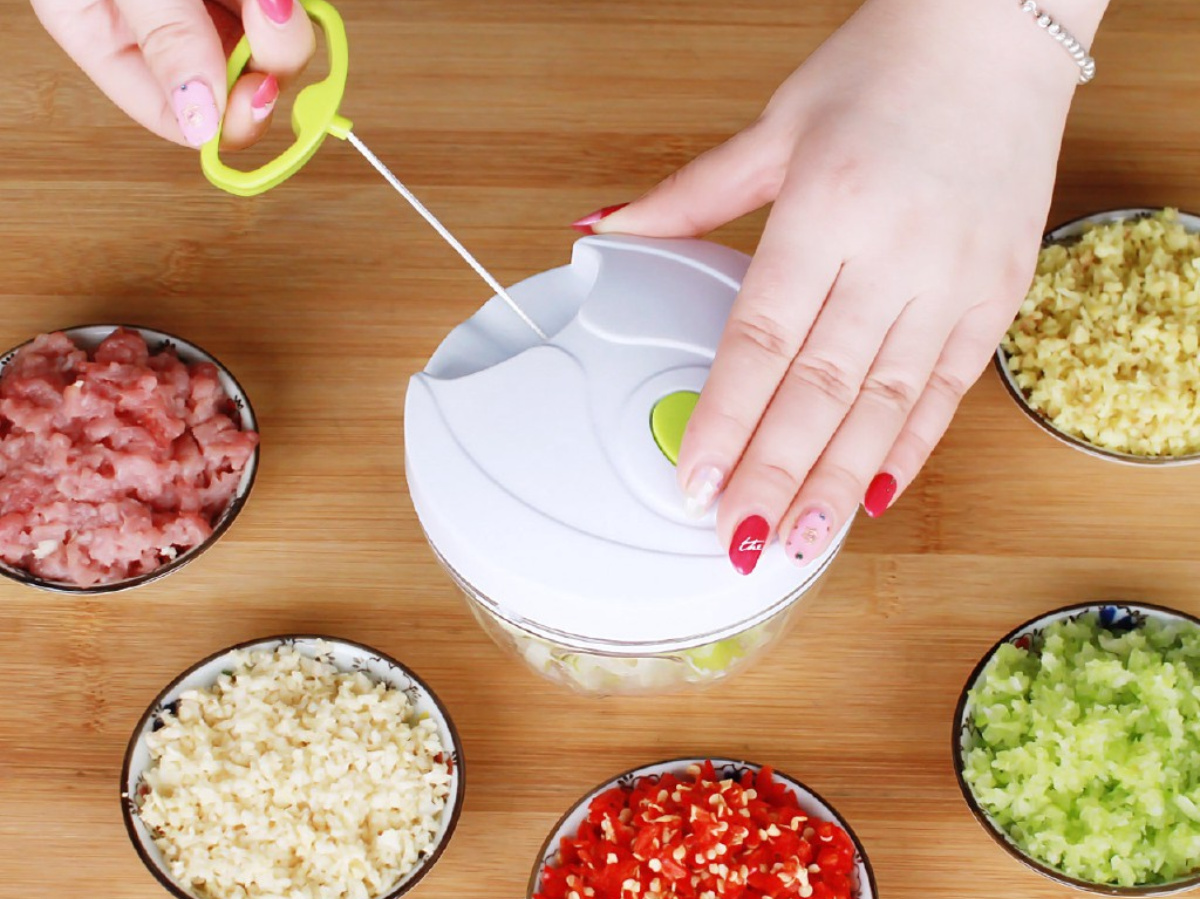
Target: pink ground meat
[113, 466]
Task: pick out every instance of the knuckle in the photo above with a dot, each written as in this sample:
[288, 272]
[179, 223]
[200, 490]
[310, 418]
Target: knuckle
[826, 377]
[764, 334]
[840, 479]
[766, 182]
[847, 177]
[948, 384]
[780, 476]
[772, 153]
[722, 423]
[166, 39]
[892, 390]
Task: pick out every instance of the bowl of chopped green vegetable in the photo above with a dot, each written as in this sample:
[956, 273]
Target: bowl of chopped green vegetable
[1077, 747]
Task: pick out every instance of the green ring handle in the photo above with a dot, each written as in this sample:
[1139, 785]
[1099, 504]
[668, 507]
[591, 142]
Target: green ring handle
[314, 113]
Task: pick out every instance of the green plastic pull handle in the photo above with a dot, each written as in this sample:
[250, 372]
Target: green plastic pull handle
[314, 113]
[669, 419]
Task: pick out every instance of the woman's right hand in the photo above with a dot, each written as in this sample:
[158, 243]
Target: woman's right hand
[163, 61]
[910, 173]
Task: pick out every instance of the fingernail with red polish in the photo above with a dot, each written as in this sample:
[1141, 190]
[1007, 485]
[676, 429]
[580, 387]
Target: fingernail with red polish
[196, 110]
[264, 99]
[880, 494]
[278, 11]
[748, 542]
[584, 225]
[810, 536]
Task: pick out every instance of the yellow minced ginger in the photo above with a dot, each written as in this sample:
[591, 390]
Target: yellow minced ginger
[1105, 345]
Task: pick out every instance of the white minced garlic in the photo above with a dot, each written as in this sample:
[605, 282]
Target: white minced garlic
[1106, 343]
[290, 778]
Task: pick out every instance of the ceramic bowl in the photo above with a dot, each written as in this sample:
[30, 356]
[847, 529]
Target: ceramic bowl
[344, 655]
[568, 824]
[1117, 617]
[1065, 234]
[89, 337]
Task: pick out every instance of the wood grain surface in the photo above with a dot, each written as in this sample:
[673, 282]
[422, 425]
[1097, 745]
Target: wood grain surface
[510, 120]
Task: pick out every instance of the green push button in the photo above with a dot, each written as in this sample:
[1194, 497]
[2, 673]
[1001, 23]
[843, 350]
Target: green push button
[669, 418]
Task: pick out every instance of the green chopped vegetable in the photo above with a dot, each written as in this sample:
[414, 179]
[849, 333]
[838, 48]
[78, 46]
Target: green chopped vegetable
[1085, 748]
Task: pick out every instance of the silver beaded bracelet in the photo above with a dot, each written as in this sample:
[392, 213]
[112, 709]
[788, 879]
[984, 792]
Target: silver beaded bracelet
[1087, 65]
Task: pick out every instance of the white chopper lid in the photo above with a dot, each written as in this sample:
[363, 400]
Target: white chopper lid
[534, 471]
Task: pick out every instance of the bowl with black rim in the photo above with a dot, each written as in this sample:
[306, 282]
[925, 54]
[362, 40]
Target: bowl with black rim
[809, 801]
[237, 407]
[346, 656]
[1116, 618]
[1067, 234]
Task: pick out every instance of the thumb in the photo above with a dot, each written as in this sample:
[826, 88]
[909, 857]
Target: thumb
[183, 52]
[716, 187]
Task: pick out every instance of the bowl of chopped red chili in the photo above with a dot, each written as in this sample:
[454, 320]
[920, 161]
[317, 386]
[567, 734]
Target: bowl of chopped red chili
[692, 828]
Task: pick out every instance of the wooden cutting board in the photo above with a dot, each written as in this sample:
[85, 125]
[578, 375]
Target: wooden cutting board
[511, 120]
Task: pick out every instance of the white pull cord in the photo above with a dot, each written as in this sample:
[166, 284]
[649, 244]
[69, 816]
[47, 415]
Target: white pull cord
[441, 229]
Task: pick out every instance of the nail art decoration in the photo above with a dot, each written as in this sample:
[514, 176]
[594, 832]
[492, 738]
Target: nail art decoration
[748, 542]
[810, 537]
[263, 100]
[196, 110]
[880, 494]
[702, 488]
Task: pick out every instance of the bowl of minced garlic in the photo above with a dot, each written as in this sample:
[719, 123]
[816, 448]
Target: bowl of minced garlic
[1105, 351]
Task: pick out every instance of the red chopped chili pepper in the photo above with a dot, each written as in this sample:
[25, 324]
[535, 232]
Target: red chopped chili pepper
[700, 838]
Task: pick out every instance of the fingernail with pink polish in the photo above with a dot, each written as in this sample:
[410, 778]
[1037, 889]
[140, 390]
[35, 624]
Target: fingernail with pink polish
[880, 494]
[748, 542]
[702, 488]
[810, 536]
[264, 99]
[584, 225]
[196, 109]
[278, 11]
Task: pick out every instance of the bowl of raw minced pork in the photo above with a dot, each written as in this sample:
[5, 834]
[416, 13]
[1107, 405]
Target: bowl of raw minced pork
[125, 453]
[1104, 354]
[298, 766]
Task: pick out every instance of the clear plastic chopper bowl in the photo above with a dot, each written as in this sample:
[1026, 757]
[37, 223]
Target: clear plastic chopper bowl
[605, 670]
[543, 476]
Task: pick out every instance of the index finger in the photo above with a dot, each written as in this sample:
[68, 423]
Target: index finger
[792, 273]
